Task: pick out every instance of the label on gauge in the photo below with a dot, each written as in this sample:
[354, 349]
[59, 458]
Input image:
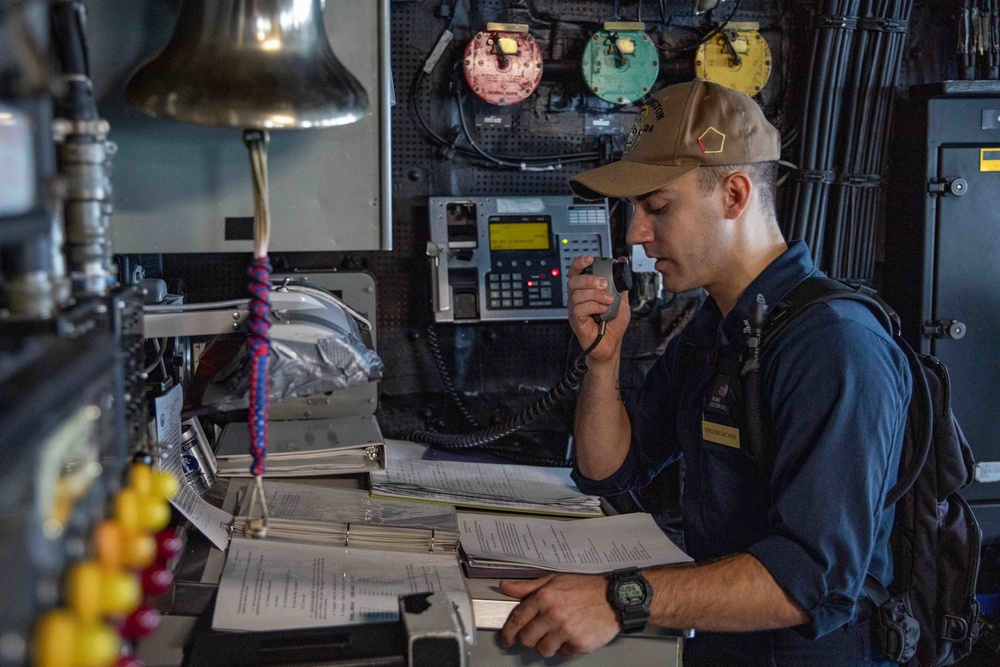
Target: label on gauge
[493, 120]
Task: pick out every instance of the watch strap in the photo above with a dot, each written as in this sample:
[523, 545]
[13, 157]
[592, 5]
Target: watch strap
[632, 618]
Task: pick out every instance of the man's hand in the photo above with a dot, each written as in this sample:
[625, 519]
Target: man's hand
[568, 614]
[587, 298]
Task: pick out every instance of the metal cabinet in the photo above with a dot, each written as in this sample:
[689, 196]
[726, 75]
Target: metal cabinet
[942, 268]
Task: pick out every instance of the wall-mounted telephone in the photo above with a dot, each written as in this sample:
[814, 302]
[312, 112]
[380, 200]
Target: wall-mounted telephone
[508, 258]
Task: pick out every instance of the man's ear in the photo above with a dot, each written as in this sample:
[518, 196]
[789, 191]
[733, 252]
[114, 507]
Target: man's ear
[737, 189]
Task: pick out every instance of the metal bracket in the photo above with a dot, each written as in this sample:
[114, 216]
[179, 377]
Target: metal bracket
[938, 329]
[442, 289]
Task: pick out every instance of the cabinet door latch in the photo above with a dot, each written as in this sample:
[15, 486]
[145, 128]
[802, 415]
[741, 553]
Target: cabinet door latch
[942, 187]
[938, 329]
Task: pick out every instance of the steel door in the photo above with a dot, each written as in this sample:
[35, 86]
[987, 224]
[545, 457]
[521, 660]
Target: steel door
[967, 289]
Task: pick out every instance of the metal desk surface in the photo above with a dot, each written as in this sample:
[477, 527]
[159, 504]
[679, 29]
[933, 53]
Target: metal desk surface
[166, 649]
[202, 567]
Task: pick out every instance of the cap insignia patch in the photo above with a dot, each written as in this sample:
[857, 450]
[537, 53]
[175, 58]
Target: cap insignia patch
[641, 125]
[711, 141]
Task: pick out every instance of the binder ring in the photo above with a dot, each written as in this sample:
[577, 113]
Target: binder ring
[347, 536]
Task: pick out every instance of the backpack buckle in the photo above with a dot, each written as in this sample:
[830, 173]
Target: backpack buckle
[896, 631]
[954, 629]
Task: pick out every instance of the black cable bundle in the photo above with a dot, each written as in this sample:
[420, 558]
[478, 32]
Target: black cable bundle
[855, 210]
[857, 49]
[832, 39]
[993, 39]
[965, 42]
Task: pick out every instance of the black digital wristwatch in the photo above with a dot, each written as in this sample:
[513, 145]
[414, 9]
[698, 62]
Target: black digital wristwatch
[630, 595]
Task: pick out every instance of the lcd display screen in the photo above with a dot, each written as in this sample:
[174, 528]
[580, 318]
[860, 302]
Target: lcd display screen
[522, 235]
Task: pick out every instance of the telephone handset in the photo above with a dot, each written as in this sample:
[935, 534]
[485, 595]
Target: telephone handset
[619, 277]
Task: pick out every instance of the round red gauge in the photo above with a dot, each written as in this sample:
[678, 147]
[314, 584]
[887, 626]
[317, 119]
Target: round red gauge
[498, 78]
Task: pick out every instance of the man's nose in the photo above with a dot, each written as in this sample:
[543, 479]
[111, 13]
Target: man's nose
[639, 230]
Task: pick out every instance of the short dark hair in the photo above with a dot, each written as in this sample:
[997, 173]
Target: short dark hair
[763, 174]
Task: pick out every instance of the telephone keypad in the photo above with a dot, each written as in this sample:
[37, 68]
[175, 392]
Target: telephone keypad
[512, 290]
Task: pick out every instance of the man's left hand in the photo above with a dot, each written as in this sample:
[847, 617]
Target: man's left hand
[567, 614]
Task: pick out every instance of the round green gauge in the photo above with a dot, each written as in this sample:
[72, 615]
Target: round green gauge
[620, 63]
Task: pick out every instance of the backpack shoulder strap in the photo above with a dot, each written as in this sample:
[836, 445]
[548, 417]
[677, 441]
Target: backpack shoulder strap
[820, 289]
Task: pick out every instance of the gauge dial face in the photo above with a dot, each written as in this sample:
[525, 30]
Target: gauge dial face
[500, 78]
[620, 66]
[737, 58]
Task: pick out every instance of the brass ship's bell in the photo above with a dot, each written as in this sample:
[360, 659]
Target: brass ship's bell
[264, 64]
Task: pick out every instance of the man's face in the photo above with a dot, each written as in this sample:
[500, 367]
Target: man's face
[683, 230]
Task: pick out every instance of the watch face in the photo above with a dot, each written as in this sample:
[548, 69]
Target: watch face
[631, 593]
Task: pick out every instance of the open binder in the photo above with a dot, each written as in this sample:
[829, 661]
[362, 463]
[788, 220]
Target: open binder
[349, 518]
[334, 556]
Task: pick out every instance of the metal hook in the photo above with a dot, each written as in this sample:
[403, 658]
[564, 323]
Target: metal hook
[257, 528]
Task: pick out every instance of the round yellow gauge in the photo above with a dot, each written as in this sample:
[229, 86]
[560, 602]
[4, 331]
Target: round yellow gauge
[738, 58]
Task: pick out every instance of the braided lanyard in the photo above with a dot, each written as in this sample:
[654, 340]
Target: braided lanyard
[260, 327]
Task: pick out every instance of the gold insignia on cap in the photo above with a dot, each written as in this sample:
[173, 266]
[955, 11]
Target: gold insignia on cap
[711, 141]
[638, 127]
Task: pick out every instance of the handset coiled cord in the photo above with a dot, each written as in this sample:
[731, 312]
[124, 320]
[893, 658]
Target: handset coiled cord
[455, 441]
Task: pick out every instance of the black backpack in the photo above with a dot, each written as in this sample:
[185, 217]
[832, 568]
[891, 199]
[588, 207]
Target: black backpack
[929, 616]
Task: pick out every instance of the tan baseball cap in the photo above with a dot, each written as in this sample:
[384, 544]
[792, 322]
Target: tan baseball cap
[679, 129]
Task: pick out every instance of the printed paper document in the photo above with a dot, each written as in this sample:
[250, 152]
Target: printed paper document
[269, 585]
[586, 546]
[485, 485]
[209, 519]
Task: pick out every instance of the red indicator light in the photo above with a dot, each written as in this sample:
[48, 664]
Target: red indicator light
[555, 272]
[531, 283]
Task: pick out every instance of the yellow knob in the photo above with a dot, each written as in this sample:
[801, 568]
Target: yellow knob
[140, 478]
[108, 544]
[121, 593]
[54, 638]
[165, 485]
[154, 513]
[127, 510]
[96, 645]
[83, 590]
[138, 550]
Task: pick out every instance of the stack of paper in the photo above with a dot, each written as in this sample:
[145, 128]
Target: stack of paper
[350, 517]
[487, 486]
[591, 546]
[269, 585]
[306, 447]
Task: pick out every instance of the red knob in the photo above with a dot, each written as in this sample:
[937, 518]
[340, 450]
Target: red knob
[168, 545]
[156, 580]
[141, 623]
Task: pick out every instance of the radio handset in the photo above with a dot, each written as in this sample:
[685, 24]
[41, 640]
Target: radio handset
[619, 277]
